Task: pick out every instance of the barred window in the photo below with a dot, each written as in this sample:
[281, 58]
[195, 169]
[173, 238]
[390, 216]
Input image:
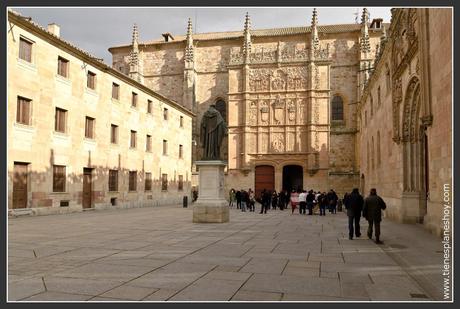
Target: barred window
[115, 91]
[181, 121]
[134, 99]
[133, 139]
[148, 181]
[132, 180]
[165, 147]
[337, 108]
[23, 111]
[148, 142]
[181, 150]
[113, 180]
[59, 178]
[114, 134]
[165, 114]
[164, 182]
[149, 106]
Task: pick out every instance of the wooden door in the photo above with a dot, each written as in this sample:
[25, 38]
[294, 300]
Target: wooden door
[264, 179]
[20, 185]
[87, 187]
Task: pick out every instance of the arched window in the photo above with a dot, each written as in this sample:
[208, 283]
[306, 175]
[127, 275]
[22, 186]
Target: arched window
[222, 108]
[337, 108]
[378, 148]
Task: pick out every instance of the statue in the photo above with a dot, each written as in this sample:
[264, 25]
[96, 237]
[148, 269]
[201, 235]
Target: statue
[212, 132]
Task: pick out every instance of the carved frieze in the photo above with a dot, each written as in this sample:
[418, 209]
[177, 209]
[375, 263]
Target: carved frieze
[259, 80]
[278, 81]
[264, 112]
[278, 110]
[291, 110]
[252, 113]
[277, 144]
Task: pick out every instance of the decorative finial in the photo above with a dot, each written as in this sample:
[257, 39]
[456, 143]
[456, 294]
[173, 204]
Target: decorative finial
[189, 27]
[247, 38]
[135, 35]
[365, 16]
[189, 47]
[365, 44]
[314, 19]
[314, 33]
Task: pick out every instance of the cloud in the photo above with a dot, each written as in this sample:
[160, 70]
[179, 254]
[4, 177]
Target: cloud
[86, 28]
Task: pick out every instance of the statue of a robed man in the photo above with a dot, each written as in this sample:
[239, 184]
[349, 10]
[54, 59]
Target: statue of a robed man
[212, 132]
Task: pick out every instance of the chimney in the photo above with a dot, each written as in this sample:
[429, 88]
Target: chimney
[54, 29]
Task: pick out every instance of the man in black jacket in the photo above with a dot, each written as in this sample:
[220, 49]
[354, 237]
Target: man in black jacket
[238, 199]
[372, 211]
[354, 205]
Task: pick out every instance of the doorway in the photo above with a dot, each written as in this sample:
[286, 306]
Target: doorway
[87, 187]
[292, 177]
[20, 185]
[264, 179]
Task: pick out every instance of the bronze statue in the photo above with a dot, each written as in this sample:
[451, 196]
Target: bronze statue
[213, 130]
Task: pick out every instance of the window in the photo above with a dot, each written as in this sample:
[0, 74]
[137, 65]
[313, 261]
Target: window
[132, 180]
[164, 182]
[115, 91]
[221, 107]
[113, 180]
[372, 153]
[387, 79]
[337, 108]
[58, 178]
[63, 67]
[89, 127]
[181, 121]
[165, 147]
[148, 143]
[91, 80]
[133, 139]
[25, 50]
[23, 111]
[114, 134]
[149, 106]
[378, 97]
[134, 100]
[372, 106]
[180, 185]
[60, 120]
[148, 181]
[180, 151]
[165, 114]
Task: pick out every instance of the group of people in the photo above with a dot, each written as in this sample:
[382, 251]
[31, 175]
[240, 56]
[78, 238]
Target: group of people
[356, 206]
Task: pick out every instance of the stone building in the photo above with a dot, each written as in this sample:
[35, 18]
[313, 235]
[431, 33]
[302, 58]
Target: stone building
[405, 116]
[83, 135]
[289, 96]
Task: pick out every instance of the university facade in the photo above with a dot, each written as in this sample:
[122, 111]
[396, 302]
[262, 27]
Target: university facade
[319, 106]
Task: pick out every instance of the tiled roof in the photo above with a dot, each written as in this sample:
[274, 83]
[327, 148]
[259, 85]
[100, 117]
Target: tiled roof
[339, 28]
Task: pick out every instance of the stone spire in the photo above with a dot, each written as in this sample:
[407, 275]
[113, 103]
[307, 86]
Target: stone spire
[134, 70]
[314, 31]
[189, 45]
[247, 38]
[365, 45]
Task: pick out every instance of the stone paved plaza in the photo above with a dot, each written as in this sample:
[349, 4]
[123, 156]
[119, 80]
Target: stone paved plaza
[157, 254]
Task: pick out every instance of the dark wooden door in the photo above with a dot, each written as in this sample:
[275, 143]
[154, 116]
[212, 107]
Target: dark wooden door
[265, 179]
[87, 184]
[20, 185]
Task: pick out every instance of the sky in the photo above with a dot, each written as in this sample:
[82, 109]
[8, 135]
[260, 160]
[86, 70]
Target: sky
[96, 29]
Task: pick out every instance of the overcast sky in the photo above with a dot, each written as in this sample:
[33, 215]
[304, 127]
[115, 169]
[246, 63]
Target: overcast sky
[97, 29]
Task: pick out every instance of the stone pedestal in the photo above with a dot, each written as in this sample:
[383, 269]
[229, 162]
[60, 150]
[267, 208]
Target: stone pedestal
[211, 205]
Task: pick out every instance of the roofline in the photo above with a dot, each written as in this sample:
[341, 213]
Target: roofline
[254, 33]
[90, 59]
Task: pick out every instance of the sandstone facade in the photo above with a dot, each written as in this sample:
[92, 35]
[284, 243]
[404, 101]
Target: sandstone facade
[277, 85]
[405, 115]
[35, 146]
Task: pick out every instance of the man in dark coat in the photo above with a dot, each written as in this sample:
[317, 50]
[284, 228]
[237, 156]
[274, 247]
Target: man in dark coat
[238, 199]
[332, 199]
[354, 205]
[310, 200]
[372, 211]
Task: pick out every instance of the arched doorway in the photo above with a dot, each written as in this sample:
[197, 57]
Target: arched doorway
[292, 177]
[264, 179]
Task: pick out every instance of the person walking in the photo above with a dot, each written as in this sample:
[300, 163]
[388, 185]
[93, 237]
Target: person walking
[310, 198]
[302, 202]
[294, 198]
[281, 199]
[354, 205]
[252, 200]
[332, 198]
[231, 198]
[265, 201]
[372, 211]
[238, 199]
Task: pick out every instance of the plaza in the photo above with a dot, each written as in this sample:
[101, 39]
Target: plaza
[158, 254]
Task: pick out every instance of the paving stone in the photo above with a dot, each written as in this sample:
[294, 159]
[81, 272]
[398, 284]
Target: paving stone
[25, 288]
[57, 296]
[209, 290]
[265, 266]
[79, 286]
[301, 271]
[226, 275]
[128, 292]
[244, 295]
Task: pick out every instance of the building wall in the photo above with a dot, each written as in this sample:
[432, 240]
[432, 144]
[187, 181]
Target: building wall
[399, 175]
[41, 147]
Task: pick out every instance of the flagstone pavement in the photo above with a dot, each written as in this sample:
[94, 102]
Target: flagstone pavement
[158, 254]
